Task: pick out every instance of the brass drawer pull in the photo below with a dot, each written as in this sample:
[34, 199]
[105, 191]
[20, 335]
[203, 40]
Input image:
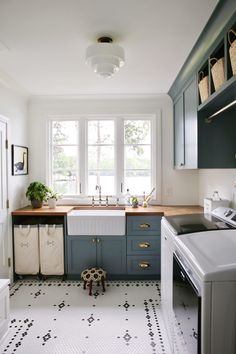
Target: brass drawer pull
[144, 226]
[144, 245]
[144, 264]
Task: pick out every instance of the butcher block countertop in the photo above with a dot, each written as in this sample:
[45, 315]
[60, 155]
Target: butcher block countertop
[151, 210]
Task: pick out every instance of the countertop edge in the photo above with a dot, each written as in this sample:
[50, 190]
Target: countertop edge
[159, 210]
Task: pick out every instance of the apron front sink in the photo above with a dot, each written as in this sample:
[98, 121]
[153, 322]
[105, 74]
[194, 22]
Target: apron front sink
[96, 221]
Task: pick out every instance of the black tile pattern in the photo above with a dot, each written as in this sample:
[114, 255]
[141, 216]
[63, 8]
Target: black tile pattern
[62, 318]
[18, 329]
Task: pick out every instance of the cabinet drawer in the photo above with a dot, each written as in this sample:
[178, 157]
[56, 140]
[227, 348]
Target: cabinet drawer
[143, 245]
[143, 225]
[143, 265]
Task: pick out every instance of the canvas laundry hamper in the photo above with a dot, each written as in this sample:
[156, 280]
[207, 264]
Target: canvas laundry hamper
[51, 249]
[26, 249]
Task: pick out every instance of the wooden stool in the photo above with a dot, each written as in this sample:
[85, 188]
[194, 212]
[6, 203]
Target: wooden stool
[93, 274]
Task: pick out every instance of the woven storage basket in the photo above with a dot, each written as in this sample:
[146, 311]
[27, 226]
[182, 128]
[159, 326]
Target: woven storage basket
[203, 86]
[232, 50]
[217, 71]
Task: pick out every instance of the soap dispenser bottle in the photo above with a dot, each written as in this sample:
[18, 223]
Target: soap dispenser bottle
[127, 197]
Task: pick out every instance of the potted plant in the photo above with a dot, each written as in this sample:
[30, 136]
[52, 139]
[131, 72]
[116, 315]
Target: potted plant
[37, 193]
[52, 198]
[134, 202]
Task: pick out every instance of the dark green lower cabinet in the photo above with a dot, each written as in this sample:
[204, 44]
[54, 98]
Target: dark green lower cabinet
[143, 265]
[107, 252]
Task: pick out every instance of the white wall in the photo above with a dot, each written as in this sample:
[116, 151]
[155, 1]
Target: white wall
[177, 187]
[222, 180]
[13, 105]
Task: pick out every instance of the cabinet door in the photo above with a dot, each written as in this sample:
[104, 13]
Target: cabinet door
[81, 253]
[4, 309]
[179, 153]
[190, 125]
[111, 254]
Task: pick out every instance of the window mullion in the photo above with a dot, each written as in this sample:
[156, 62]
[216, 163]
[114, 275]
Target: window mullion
[119, 156]
[82, 157]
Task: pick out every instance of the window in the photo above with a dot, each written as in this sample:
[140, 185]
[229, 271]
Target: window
[64, 156]
[137, 155]
[114, 153]
[101, 156]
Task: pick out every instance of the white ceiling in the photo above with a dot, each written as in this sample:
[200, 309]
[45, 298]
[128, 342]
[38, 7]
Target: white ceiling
[43, 43]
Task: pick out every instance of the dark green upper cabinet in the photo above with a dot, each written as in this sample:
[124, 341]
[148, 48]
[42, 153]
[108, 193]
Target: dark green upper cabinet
[205, 130]
[179, 147]
[185, 128]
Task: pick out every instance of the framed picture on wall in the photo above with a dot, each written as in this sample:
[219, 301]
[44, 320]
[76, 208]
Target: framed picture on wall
[19, 160]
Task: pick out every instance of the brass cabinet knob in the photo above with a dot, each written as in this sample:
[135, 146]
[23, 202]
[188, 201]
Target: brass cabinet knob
[144, 226]
[144, 245]
[144, 264]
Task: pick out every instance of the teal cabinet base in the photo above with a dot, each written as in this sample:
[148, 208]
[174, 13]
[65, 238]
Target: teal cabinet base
[107, 252]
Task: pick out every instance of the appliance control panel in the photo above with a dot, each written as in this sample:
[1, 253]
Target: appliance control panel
[226, 214]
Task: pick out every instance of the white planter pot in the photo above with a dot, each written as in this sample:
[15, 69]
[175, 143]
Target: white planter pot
[52, 203]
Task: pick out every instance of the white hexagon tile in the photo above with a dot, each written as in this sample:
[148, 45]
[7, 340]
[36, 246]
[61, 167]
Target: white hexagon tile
[55, 316]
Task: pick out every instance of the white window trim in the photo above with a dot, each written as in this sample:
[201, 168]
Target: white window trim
[156, 154]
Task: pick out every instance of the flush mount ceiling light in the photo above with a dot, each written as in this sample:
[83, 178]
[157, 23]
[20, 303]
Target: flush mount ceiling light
[105, 57]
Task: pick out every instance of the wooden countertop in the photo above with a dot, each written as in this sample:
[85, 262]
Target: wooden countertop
[161, 210]
[44, 211]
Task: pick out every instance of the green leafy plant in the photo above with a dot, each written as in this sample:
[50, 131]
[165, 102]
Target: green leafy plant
[52, 194]
[37, 191]
[134, 201]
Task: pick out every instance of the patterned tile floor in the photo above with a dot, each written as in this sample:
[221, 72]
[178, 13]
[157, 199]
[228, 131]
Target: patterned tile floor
[56, 316]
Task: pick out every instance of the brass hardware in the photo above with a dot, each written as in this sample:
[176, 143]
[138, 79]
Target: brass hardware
[144, 245]
[144, 226]
[144, 264]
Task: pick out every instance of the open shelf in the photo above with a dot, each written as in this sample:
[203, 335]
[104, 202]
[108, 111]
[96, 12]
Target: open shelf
[218, 63]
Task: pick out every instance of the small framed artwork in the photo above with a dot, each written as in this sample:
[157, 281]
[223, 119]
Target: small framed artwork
[19, 160]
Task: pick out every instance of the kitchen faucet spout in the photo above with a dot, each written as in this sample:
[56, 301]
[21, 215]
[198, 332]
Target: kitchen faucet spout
[99, 188]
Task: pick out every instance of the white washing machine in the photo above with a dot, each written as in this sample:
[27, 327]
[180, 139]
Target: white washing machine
[198, 284]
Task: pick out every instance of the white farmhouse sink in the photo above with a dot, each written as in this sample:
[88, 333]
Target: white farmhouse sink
[96, 221]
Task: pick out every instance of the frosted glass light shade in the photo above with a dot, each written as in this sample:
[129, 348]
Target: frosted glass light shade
[105, 58]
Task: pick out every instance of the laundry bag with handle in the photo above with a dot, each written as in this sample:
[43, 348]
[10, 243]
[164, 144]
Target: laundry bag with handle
[51, 249]
[26, 249]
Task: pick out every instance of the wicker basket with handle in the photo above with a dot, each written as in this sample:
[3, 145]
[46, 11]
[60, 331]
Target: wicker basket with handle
[218, 72]
[203, 86]
[232, 50]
